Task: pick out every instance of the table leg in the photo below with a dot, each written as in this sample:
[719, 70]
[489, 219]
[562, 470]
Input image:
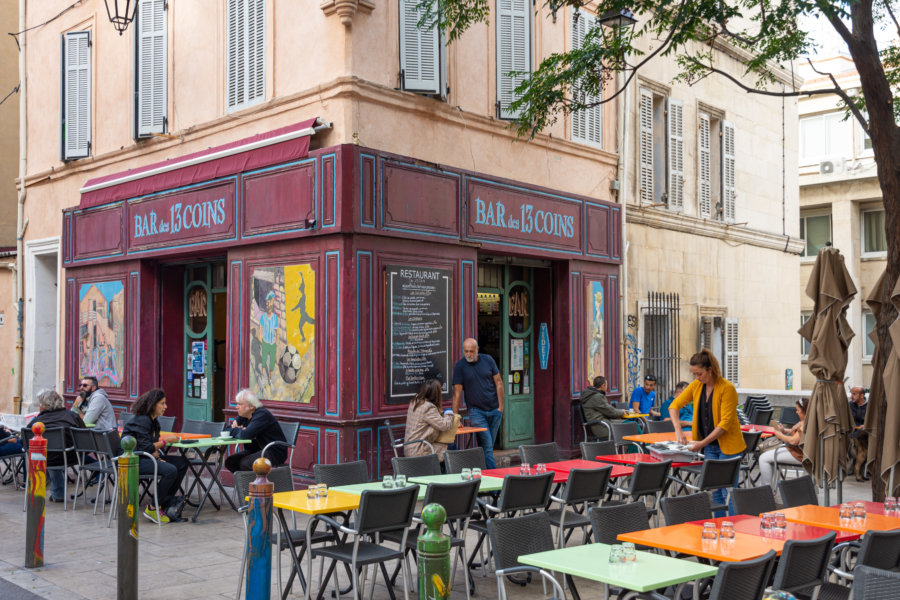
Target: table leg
[571, 583]
[296, 570]
[195, 472]
[207, 490]
[220, 462]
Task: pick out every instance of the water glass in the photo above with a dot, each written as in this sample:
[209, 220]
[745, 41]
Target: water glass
[780, 521]
[628, 553]
[322, 491]
[476, 473]
[387, 482]
[311, 493]
[466, 474]
[540, 468]
[400, 480]
[525, 469]
[846, 511]
[726, 531]
[890, 506]
[766, 522]
[709, 532]
[859, 510]
[615, 554]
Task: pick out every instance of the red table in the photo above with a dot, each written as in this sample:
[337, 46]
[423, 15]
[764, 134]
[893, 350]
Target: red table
[564, 466]
[795, 531]
[635, 458]
[558, 477]
[767, 430]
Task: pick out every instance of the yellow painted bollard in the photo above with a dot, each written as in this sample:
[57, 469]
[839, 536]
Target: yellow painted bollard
[129, 509]
[434, 555]
[36, 504]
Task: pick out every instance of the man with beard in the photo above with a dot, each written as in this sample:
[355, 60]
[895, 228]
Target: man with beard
[477, 376]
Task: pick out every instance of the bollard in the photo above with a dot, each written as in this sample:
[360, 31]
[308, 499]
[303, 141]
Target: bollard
[36, 494]
[434, 555]
[128, 507]
[259, 533]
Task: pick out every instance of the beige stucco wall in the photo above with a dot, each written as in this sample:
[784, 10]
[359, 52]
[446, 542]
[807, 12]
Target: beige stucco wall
[7, 334]
[9, 125]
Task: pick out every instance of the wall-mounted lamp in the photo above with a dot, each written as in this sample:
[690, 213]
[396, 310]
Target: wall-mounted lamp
[121, 13]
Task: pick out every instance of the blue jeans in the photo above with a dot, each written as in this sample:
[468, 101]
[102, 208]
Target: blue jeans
[57, 479]
[719, 496]
[489, 419]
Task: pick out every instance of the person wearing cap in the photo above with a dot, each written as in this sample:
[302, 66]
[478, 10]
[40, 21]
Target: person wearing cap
[643, 398]
[268, 325]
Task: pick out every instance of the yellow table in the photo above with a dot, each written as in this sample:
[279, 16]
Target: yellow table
[298, 502]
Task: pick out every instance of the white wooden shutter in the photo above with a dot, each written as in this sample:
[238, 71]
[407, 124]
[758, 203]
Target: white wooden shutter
[704, 167]
[151, 64]
[645, 152]
[675, 166]
[246, 53]
[586, 123]
[513, 51]
[732, 352]
[706, 332]
[729, 190]
[420, 52]
[76, 105]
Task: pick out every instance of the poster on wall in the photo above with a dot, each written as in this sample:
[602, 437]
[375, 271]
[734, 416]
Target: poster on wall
[595, 330]
[283, 333]
[101, 332]
[417, 328]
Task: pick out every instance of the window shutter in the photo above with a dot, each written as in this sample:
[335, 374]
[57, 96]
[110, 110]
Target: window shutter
[675, 167]
[704, 170]
[151, 76]
[732, 352]
[419, 52]
[513, 51]
[706, 332]
[246, 48]
[646, 146]
[728, 173]
[586, 123]
[76, 105]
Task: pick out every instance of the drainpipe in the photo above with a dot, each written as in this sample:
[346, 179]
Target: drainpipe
[20, 216]
[623, 198]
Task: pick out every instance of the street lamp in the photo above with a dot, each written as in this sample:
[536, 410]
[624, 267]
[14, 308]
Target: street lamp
[121, 13]
[617, 19]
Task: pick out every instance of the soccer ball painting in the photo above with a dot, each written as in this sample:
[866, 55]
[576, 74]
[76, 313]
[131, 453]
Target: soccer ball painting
[289, 364]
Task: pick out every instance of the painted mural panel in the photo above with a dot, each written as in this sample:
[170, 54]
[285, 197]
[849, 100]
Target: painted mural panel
[595, 329]
[101, 332]
[283, 332]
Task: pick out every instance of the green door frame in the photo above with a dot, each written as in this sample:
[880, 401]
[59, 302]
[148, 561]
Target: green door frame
[199, 408]
[518, 414]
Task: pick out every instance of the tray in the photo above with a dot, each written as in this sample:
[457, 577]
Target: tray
[673, 451]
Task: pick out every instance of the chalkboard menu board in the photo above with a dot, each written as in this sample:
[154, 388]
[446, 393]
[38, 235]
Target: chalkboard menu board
[417, 326]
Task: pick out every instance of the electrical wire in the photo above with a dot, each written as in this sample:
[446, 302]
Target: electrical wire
[14, 91]
[50, 20]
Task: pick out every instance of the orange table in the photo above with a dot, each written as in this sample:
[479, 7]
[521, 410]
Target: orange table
[828, 517]
[470, 431]
[558, 477]
[795, 531]
[654, 438]
[564, 466]
[185, 436]
[875, 508]
[635, 458]
[685, 538]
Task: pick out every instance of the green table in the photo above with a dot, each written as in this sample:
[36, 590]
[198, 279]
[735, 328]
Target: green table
[591, 561]
[205, 447]
[488, 484]
[358, 488]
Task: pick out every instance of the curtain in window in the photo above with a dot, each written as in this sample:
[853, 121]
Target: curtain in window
[873, 231]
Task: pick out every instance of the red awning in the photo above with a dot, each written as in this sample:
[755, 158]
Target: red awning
[262, 150]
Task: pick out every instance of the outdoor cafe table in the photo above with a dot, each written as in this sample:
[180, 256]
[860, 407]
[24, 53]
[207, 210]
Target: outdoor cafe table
[564, 466]
[875, 508]
[206, 447]
[359, 488]
[591, 561]
[488, 484]
[795, 531]
[558, 477]
[767, 430]
[829, 518]
[636, 457]
[464, 430]
[685, 538]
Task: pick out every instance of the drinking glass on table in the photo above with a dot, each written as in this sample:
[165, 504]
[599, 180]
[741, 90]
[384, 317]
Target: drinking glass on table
[709, 532]
[779, 524]
[628, 553]
[846, 511]
[540, 468]
[322, 491]
[525, 469]
[400, 480]
[726, 531]
[615, 554]
[387, 481]
[311, 493]
[890, 506]
[476, 473]
[766, 522]
[859, 510]
[466, 474]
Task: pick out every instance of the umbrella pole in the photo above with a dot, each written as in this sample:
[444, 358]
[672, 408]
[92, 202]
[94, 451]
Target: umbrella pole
[891, 489]
[822, 476]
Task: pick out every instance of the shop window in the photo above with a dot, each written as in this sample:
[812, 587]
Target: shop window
[874, 239]
[716, 168]
[661, 150]
[804, 343]
[661, 354]
[815, 230]
[868, 326]
[587, 122]
[76, 95]
[421, 53]
[150, 81]
[245, 53]
[513, 52]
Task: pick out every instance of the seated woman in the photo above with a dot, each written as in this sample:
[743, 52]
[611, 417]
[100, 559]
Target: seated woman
[144, 428]
[9, 445]
[55, 414]
[789, 452]
[255, 423]
[424, 420]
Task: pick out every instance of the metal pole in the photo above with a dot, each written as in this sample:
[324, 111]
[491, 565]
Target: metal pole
[128, 508]
[259, 533]
[822, 475]
[36, 504]
[434, 555]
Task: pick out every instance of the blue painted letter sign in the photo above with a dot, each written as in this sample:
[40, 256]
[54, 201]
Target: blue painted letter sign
[544, 346]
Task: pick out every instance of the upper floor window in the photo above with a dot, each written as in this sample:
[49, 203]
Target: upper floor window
[815, 230]
[661, 150]
[716, 191]
[804, 343]
[586, 123]
[874, 239]
[868, 325]
[150, 83]
[246, 53]
[823, 136]
[421, 52]
[513, 52]
[75, 106]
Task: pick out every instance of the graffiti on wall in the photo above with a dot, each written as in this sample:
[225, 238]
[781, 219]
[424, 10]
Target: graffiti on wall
[101, 332]
[632, 357]
[595, 330]
[283, 332]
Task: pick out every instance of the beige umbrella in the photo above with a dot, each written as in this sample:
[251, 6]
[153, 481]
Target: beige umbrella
[828, 420]
[887, 428]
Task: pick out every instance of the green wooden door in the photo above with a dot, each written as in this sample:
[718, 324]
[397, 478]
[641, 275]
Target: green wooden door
[517, 370]
[198, 340]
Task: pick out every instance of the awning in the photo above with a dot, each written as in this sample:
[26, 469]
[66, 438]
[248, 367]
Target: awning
[262, 150]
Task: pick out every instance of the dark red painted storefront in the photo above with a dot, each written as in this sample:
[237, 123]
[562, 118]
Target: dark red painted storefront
[347, 213]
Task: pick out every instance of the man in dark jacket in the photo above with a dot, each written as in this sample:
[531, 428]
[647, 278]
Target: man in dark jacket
[255, 423]
[54, 414]
[597, 407]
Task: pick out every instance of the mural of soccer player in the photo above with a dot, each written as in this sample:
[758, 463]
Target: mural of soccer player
[301, 307]
[268, 325]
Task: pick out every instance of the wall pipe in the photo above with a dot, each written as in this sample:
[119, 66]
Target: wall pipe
[20, 214]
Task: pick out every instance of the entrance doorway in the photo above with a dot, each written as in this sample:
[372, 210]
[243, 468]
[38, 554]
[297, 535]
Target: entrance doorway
[205, 326]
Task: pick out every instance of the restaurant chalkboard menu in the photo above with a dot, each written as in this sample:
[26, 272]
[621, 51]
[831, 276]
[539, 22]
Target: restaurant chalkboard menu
[417, 325]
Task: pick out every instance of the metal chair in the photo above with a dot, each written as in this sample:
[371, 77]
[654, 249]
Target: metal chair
[744, 580]
[125, 418]
[192, 426]
[107, 445]
[618, 430]
[762, 416]
[539, 453]
[457, 460]
[413, 466]
[342, 474]
[804, 565]
[660, 427]
[789, 416]
[591, 450]
[753, 501]
[59, 441]
[797, 492]
[879, 549]
[683, 509]
[587, 425]
[648, 479]
[715, 474]
[399, 442]
[584, 487]
[166, 423]
[84, 446]
[875, 584]
[609, 521]
[290, 431]
[514, 537]
[750, 458]
[149, 483]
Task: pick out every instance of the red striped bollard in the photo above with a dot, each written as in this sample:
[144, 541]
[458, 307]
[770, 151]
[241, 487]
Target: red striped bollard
[36, 494]
[128, 507]
[259, 533]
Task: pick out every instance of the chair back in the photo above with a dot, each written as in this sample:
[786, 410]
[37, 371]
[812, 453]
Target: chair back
[660, 427]
[26, 436]
[744, 580]
[719, 473]
[192, 426]
[586, 485]
[753, 501]
[539, 453]
[290, 431]
[282, 478]
[516, 536]
[342, 474]
[126, 417]
[386, 510]
[458, 499]
[789, 416]
[609, 521]
[107, 443]
[797, 492]
[591, 450]
[682, 509]
[880, 549]
[762, 416]
[875, 584]
[212, 428]
[649, 478]
[622, 429]
[457, 460]
[751, 439]
[525, 492]
[416, 466]
[242, 481]
[84, 440]
[166, 423]
[803, 563]
[56, 439]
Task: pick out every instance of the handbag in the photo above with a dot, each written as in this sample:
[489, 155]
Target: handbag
[449, 436]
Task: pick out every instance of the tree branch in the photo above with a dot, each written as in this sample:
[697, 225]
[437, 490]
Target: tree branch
[890, 11]
[839, 91]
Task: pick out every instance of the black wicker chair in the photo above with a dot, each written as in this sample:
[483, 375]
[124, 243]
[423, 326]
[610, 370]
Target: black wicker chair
[516, 536]
[457, 460]
[413, 466]
[682, 509]
[591, 450]
[754, 501]
[584, 487]
[610, 521]
[797, 492]
[539, 453]
[342, 474]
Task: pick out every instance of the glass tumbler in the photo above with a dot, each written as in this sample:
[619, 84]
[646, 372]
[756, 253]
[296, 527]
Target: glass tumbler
[387, 482]
[322, 491]
[780, 521]
[540, 468]
[859, 510]
[628, 553]
[466, 474]
[726, 531]
[615, 554]
[525, 469]
[709, 532]
[311, 493]
[846, 511]
[890, 506]
[476, 473]
[400, 480]
[765, 523]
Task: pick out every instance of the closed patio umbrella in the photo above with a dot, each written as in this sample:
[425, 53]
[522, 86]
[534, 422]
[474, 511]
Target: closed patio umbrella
[828, 420]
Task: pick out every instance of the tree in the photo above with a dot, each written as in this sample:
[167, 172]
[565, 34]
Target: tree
[689, 31]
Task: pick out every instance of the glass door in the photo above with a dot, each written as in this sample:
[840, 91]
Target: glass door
[518, 375]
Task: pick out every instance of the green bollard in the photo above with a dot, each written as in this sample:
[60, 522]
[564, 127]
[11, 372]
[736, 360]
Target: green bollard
[434, 555]
[129, 510]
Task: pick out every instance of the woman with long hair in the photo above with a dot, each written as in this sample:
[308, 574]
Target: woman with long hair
[145, 429]
[716, 430]
[424, 420]
[787, 453]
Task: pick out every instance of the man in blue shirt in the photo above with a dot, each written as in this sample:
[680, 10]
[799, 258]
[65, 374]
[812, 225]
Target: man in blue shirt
[478, 377]
[642, 398]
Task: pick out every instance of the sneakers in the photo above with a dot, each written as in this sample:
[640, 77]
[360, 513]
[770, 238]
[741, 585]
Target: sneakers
[156, 516]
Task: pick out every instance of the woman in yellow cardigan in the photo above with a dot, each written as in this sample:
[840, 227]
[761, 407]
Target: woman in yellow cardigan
[716, 430]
